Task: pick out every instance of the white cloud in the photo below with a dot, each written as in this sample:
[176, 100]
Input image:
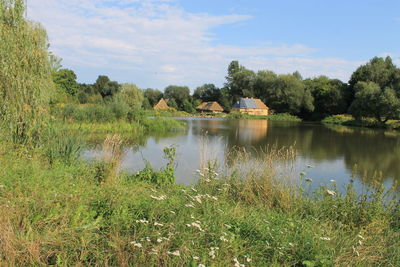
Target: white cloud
[155, 43]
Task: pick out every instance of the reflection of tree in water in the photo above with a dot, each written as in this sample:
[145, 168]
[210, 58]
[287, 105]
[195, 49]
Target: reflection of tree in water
[370, 149]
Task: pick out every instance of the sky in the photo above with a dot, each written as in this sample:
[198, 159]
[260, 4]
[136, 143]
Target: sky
[156, 43]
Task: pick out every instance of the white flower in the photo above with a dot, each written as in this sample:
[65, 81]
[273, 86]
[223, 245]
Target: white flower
[332, 181]
[201, 265]
[196, 225]
[158, 224]
[148, 239]
[190, 205]
[224, 239]
[237, 263]
[142, 221]
[212, 254]
[136, 244]
[193, 189]
[162, 197]
[173, 212]
[360, 236]
[159, 240]
[153, 252]
[153, 190]
[174, 253]
[228, 226]
[248, 259]
[196, 257]
[330, 192]
[198, 198]
[325, 238]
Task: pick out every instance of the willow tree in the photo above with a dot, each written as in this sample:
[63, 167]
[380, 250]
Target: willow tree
[25, 74]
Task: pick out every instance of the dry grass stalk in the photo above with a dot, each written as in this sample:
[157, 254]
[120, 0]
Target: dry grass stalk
[112, 154]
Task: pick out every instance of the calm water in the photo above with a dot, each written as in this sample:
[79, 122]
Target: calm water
[333, 152]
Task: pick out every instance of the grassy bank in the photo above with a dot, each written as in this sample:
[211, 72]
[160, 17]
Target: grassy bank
[348, 120]
[57, 212]
[273, 117]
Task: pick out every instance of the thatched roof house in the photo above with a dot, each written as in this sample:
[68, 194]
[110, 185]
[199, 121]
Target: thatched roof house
[252, 106]
[213, 107]
[161, 105]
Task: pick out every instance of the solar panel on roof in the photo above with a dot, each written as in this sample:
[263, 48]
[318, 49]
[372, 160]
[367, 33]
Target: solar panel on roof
[247, 103]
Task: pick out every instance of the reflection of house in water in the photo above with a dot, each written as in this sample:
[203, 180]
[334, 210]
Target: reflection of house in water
[249, 131]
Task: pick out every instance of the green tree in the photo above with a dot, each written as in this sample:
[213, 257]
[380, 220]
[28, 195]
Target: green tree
[287, 94]
[153, 96]
[378, 70]
[178, 94]
[372, 101]
[105, 87]
[131, 95]
[65, 80]
[207, 92]
[328, 96]
[25, 74]
[239, 81]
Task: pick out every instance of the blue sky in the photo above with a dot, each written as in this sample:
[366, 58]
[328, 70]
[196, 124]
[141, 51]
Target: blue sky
[155, 43]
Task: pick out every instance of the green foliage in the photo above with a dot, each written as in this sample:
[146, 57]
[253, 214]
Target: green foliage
[164, 176]
[372, 101]
[65, 80]
[62, 145]
[131, 95]
[106, 88]
[178, 94]
[152, 95]
[25, 74]
[273, 117]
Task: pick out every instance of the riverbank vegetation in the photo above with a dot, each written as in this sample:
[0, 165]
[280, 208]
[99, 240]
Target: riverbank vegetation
[58, 210]
[348, 120]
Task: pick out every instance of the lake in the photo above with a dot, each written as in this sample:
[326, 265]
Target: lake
[323, 153]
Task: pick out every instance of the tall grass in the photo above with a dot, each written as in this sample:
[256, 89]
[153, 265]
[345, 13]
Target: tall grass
[59, 214]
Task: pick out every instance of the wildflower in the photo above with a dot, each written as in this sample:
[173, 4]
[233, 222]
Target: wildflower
[212, 254]
[308, 180]
[159, 240]
[191, 216]
[332, 181]
[291, 244]
[330, 192]
[148, 239]
[158, 224]
[142, 221]
[361, 237]
[198, 198]
[228, 226]
[325, 238]
[356, 252]
[136, 244]
[173, 212]
[196, 225]
[222, 238]
[162, 197]
[153, 190]
[196, 257]
[201, 265]
[153, 252]
[194, 190]
[198, 171]
[174, 253]
[237, 263]
[190, 205]
[248, 259]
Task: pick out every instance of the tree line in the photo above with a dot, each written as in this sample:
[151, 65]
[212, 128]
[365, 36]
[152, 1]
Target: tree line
[372, 91]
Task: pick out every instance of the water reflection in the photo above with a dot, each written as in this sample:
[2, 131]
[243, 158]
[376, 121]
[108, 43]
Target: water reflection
[336, 152]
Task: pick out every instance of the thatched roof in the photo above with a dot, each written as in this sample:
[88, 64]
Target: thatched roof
[210, 106]
[161, 104]
[245, 103]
